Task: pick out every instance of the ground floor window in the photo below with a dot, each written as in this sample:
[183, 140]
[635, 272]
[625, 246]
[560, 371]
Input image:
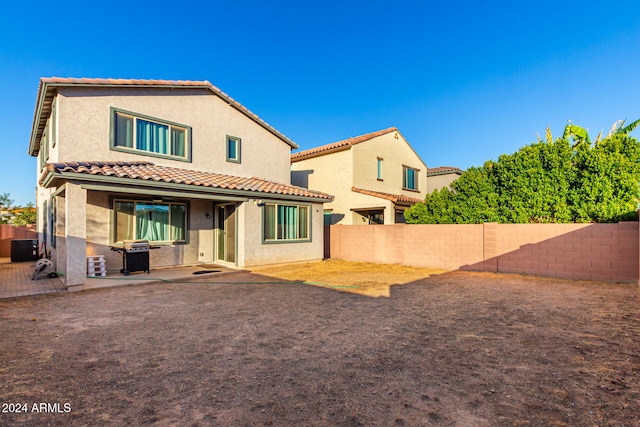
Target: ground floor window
[148, 220]
[286, 222]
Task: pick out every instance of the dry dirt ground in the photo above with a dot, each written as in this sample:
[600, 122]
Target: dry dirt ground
[450, 349]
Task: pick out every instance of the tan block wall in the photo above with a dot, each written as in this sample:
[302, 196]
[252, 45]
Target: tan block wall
[11, 232]
[415, 245]
[605, 252]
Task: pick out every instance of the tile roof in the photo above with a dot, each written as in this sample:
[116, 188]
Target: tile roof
[48, 85]
[147, 171]
[345, 144]
[398, 199]
[444, 169]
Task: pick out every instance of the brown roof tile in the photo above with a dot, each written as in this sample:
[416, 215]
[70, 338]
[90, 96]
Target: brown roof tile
[398, 199]
[339, 145]
[148, 171]
[443, 169]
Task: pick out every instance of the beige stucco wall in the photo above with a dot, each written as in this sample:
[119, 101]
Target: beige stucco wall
[336, 173]
[331, 174]
[84, 120]
[201, 246]
[198, 249]
[436, 182]
[396, 153]
[258, 253]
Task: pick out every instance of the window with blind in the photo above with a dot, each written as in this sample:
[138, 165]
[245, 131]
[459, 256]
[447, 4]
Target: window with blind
[148, 220]
[233, 149]
[409, 178]
[286, 223]
[145, 135]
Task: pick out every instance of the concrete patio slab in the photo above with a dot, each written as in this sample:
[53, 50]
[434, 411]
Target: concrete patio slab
[15, 280]
[173, 274]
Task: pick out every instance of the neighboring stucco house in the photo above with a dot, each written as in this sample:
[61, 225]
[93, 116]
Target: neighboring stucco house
[441, 177]
[178, 163]
[374, 177]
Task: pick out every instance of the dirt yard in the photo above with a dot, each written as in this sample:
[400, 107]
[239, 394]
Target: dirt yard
[451, 349]
[374, 280]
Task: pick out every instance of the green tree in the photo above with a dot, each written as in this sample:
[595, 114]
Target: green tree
[5, 204]
[5, 201]
[472, 199]
[568, 179]
[533, 183]
[25, 215]
[606, 184]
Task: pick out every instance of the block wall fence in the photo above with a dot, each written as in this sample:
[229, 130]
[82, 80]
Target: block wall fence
[11, 232]
[604, 252]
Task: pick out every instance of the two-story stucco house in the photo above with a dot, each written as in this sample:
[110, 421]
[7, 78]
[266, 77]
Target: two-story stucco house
[178, 163]
[374, 177]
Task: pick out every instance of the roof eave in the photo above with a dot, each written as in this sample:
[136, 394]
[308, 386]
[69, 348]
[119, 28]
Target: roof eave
[458, 172]
[33, 151]
[321, 153]
[51, 178]
[341, 145]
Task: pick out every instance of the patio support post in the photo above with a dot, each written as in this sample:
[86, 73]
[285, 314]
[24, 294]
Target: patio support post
[75, 236]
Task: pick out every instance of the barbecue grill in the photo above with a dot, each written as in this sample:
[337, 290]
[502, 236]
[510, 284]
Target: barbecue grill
[135, 255]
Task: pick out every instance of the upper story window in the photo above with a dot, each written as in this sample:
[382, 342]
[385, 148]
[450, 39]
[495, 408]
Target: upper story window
[410, 178]
[233, 149]
[53, 124]
[380, 159]
[136, 133]
[43, 154]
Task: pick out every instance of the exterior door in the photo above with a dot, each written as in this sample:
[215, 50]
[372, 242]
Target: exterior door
[227, 233]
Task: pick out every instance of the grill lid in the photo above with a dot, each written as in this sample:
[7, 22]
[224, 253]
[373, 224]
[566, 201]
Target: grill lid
[139, 245]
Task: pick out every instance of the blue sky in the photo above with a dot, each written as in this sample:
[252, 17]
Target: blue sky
[464, 81]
